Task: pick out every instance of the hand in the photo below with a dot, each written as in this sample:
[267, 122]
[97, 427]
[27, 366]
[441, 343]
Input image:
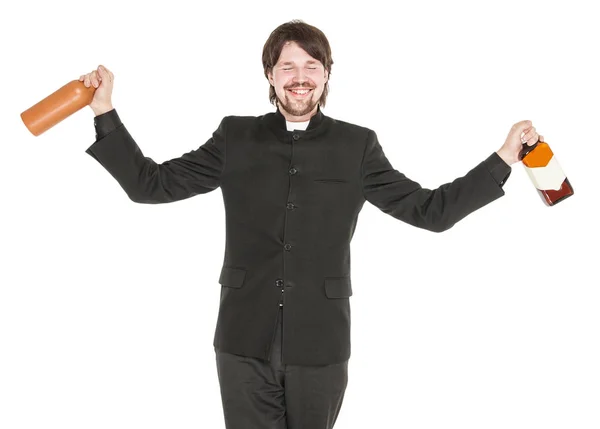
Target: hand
[103, 80]
[511, 148]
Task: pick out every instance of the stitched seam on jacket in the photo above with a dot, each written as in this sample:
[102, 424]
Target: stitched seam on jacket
[362, 163]
[224, 149]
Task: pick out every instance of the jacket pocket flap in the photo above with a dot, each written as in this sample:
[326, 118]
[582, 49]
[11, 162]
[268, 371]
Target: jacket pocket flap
[338, 287]
[232, 277]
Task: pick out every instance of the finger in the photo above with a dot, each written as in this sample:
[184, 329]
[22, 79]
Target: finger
[520, 128]
[523, 125]
[86, 80]
[541, 138]
[82, 77]
[532, 140]
[528, 135]
[94, 79]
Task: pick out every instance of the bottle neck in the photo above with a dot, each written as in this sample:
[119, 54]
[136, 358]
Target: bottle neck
[526, 149]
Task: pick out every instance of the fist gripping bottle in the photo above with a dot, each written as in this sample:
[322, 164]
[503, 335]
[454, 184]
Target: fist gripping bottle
[57, 106]
[545, 173]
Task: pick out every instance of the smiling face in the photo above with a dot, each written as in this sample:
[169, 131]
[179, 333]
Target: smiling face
[299, 81]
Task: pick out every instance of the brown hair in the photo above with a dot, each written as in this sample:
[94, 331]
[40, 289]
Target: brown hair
[309, 38]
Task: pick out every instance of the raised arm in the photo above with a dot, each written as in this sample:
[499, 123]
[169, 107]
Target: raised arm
[144, 180]
[432, 209]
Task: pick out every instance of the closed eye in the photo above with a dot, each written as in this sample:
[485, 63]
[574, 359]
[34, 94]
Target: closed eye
[310, 68]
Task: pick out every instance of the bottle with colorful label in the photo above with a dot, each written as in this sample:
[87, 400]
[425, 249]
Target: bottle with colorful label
[545, 172]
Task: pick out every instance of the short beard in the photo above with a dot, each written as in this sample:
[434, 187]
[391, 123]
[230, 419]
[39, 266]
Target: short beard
[289, 106]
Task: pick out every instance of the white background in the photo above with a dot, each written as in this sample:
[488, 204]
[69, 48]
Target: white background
[108, 308]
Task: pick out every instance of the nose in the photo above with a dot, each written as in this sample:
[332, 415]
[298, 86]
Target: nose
[299, 75]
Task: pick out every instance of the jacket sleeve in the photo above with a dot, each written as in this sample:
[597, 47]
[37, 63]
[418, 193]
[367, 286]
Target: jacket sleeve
[144, 180]
[106, 123]
[435, 210]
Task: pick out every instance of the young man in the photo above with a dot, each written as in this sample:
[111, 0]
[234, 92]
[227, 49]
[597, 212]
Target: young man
[294, 182]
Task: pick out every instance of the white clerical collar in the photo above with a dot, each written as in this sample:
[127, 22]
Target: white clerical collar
[291, 126]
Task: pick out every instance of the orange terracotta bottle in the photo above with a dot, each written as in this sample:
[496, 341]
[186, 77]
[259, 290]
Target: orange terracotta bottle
[57, 106]
[545, 173]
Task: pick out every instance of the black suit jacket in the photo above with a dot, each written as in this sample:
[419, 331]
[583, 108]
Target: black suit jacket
[292, 200]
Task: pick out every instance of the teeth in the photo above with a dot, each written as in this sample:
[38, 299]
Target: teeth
[300, 92]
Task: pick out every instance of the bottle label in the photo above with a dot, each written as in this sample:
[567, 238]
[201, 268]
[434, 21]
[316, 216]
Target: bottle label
[549, 177]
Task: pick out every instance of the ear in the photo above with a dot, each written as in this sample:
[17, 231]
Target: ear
[326, 75]
[270, 77]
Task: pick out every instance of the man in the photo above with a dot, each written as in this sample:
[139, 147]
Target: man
[293, 183]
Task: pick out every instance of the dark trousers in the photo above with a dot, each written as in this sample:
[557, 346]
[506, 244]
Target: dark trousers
[259, 394]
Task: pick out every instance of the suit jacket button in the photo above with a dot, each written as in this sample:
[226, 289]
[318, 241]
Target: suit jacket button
[279, 283]
[287, 246]
[290, 206]
[293, 170]
[295, 136]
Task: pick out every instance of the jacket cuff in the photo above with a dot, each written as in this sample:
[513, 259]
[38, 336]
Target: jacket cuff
[499, 170]
[106, 123]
